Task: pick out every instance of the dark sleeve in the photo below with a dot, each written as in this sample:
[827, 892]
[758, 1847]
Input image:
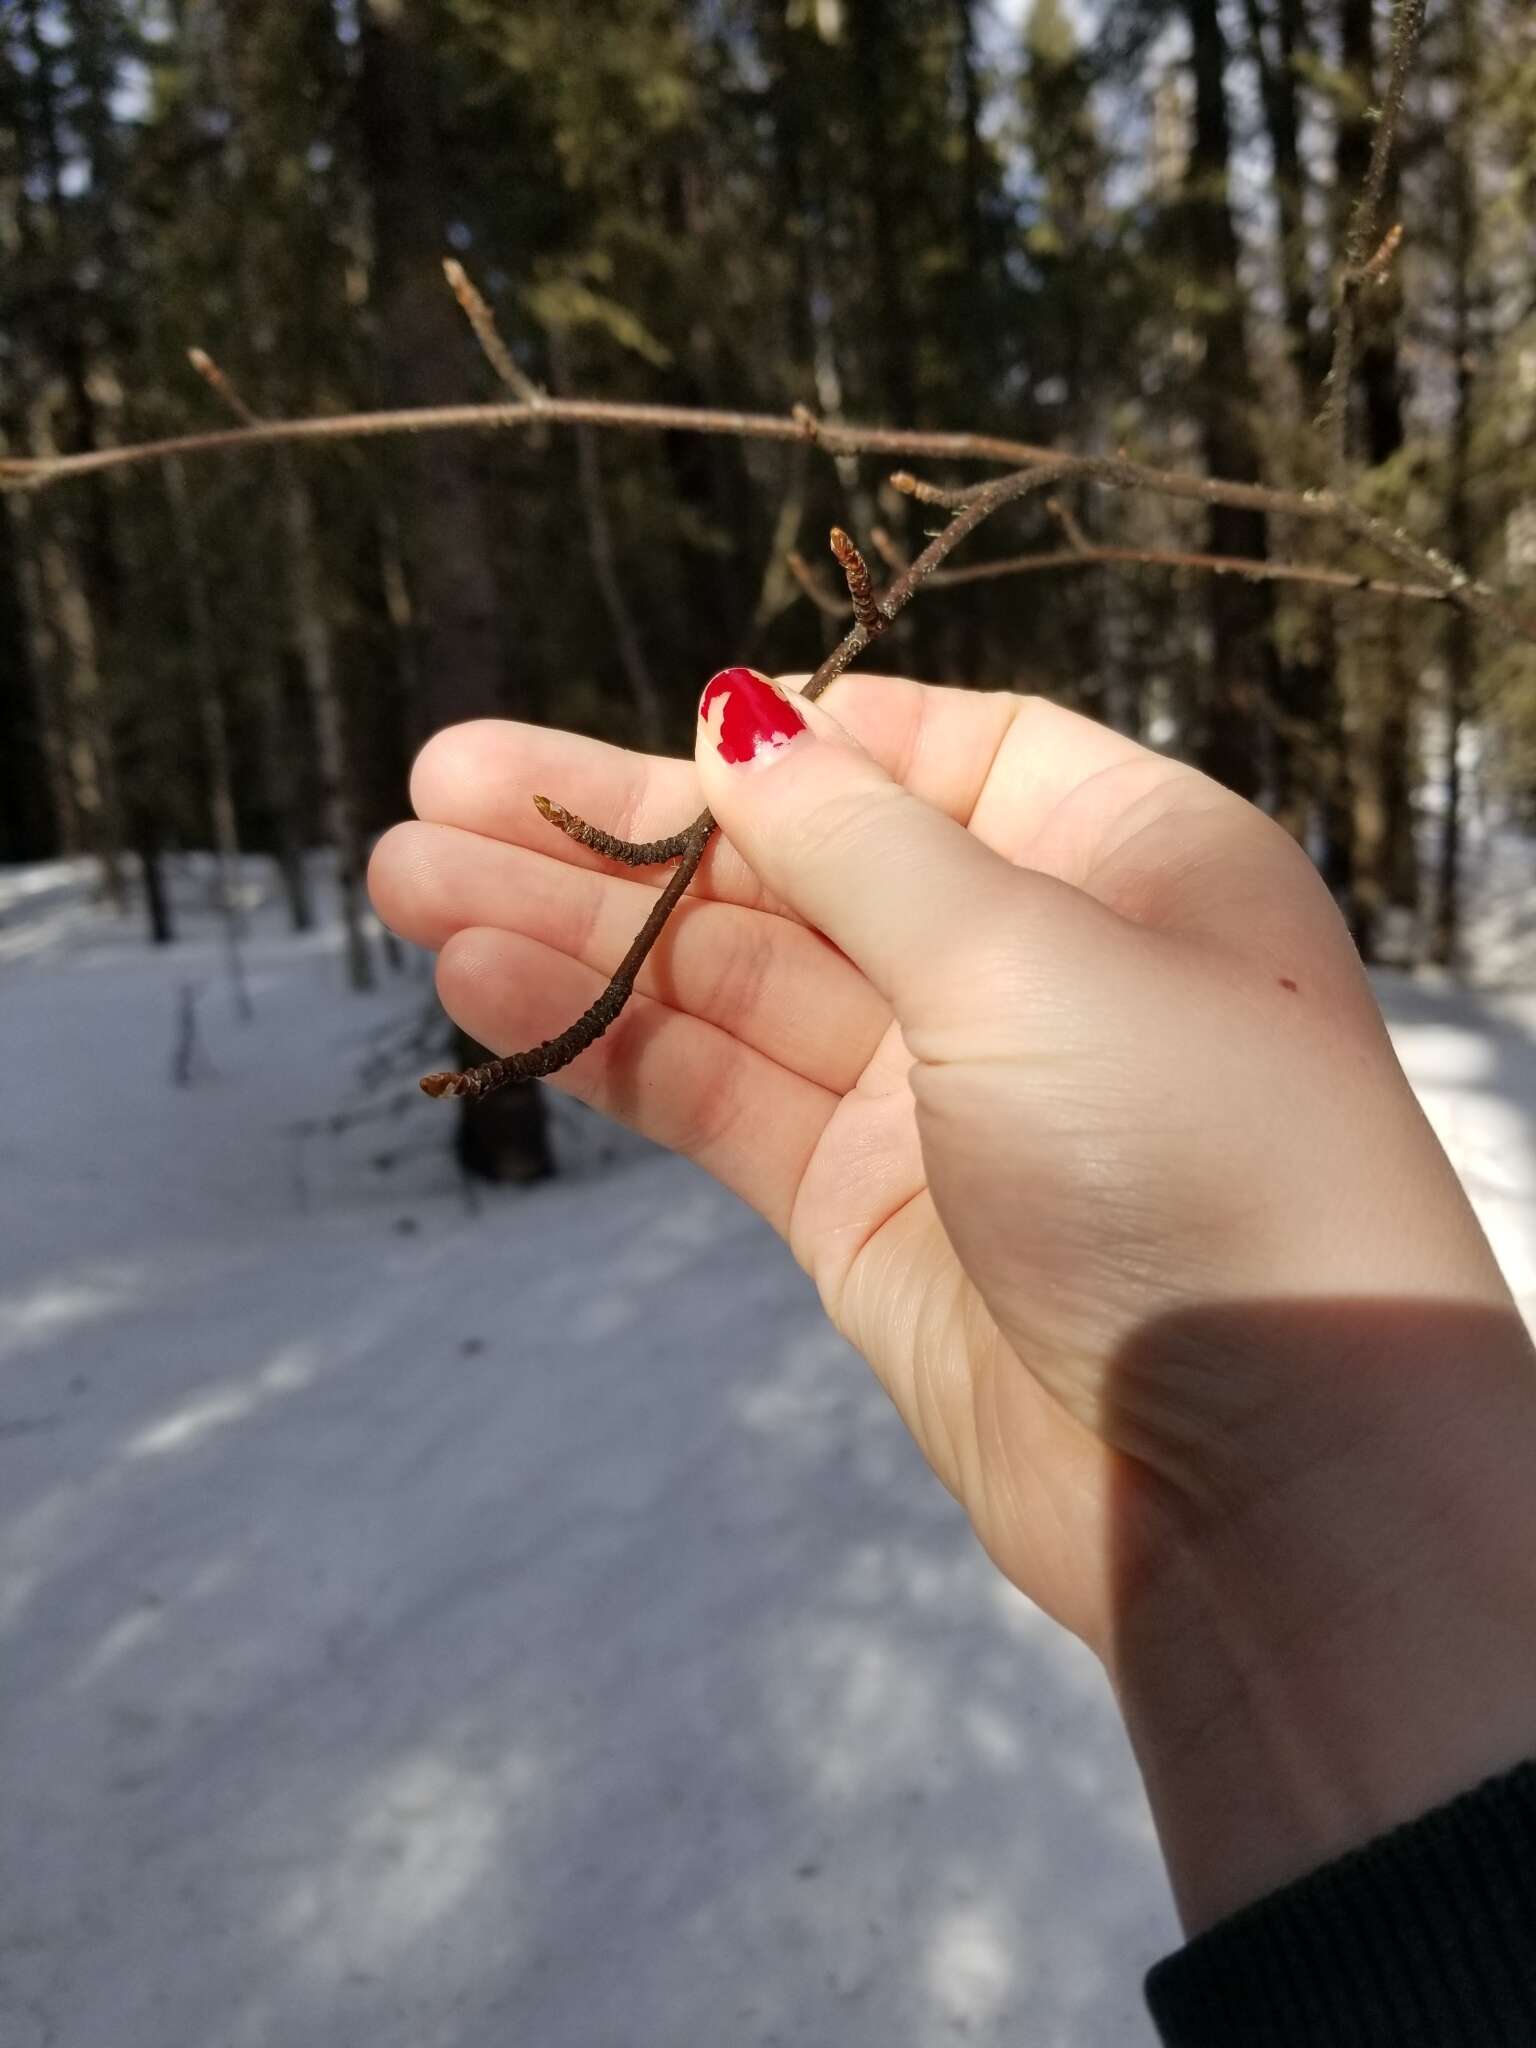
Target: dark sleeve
[1422, 1938]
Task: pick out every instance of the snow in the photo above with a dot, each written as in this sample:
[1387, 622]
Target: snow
[435, 1623]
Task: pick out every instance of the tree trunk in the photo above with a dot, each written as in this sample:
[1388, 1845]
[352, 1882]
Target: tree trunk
[50, 695]
[149, 847]
[444, 526]
[215, 728]
[92, 754]
[1460, 646]
[1243, 679]
[1279, 82]
[312, 634]
[1388, 870]
[1308, 681]
[650, 719]
[875, 58]
[276, 752]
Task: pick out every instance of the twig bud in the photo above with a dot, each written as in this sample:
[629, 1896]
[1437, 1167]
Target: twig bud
[860, 588]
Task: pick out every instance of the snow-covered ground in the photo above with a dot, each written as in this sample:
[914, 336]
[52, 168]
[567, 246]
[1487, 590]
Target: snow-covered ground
[428, 1623]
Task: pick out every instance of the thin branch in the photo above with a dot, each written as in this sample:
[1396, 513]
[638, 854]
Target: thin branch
[646, 853]
[1066, 519]
[555, 1053]
[886, 548]
[552, 1054]
[825, 600]
[1113, 473]
[37, 472]
[1458, 585]
[1083, 552]
[1364, 230]
[215, 378]
[488, 334]
[1255, 570]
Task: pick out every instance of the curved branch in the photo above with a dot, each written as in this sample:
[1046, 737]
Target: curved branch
[1110, 472]
[551, 1054]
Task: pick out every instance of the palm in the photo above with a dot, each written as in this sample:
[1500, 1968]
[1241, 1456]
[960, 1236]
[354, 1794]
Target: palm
[758, 1049]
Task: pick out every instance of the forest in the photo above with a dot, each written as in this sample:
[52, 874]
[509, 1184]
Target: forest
[1132, 235]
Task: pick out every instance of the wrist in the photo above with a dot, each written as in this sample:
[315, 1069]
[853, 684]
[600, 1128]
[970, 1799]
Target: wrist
[1354, 1642]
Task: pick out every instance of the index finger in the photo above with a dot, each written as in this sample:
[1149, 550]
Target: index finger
[483, 776]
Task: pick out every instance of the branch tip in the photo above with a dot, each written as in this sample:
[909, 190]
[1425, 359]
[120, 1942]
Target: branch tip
[219, 383]
[860, 589]
[1380, 265]
[483, 321]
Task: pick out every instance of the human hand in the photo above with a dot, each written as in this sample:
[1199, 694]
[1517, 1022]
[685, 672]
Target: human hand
[1083, 1119]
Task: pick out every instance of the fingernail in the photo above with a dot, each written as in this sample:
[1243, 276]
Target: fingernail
[747, 715]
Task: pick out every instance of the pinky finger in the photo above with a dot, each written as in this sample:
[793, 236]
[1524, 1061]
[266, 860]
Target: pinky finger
[682, 1082]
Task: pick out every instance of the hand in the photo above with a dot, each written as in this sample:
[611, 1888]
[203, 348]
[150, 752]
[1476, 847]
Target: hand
[1083, 1119]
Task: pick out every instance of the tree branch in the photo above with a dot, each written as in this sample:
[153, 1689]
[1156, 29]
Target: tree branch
[549, 1056]
[488, 334]
[825, 599]
[1255, 570]
[1113, 473]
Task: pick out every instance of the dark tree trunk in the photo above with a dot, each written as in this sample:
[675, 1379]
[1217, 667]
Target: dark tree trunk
[78, 555]
[149, 847]
[872, 53]
[1460, 646]
[1279, 82]
[1243, 678]
[445, 532]
[1387, 868]
[31, 780]
[1378, 376]
[1307, 680]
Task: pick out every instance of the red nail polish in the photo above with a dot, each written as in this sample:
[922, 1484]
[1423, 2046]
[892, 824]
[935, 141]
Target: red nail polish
[754, 715]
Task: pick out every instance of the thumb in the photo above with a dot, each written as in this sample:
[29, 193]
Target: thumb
[916, 901]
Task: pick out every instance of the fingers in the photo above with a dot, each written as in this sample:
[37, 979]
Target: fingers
[998, 762]
[684, 1083]
[912, 897]
[768, 981]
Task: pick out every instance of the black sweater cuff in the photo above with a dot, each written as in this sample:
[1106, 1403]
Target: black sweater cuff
[1422, 1938]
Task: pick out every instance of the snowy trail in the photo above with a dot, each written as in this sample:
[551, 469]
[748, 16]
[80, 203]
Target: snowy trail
[423, 1629]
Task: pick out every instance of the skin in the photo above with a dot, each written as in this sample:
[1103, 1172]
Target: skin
[1053, 1063]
